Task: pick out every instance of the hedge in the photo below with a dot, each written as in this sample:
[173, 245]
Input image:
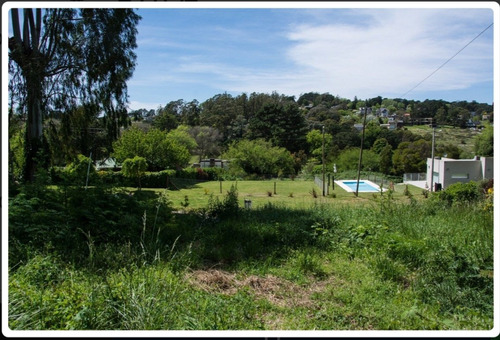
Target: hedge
[148, 180]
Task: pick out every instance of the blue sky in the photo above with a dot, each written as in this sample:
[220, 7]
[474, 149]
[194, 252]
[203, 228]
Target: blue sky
[196, 53]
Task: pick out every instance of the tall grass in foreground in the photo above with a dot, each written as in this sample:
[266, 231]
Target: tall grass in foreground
[421, 265]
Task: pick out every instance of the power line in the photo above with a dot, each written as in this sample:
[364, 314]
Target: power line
[463, 48]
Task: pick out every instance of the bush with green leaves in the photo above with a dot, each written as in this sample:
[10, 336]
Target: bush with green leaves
[134, 168]
[71, 220]
[349, 160]
[228, 207]
[259, 157]
[460, 193]
[160, 151]
[76, 172]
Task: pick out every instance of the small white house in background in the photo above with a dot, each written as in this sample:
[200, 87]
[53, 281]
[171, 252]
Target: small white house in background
[448, 170]
[214, 163]
[107, 164]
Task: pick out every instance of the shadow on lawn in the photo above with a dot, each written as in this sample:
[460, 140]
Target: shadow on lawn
[183, 183]
[270, 231]
[108, 228]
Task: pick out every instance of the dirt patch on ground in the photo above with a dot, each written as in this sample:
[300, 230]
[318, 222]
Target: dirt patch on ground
[276, 290]
[214, 281]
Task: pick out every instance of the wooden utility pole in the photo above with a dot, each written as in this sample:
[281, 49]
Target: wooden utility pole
[323, 152]
[432, 159]
[361, 151]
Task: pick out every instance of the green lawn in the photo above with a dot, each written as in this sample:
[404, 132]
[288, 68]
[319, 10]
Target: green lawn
[294, 194]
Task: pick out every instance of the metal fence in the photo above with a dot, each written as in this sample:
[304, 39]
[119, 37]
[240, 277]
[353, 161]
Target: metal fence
[422, 176]
[319, 182]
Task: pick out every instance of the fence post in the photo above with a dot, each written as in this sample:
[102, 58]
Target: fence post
[275, 188]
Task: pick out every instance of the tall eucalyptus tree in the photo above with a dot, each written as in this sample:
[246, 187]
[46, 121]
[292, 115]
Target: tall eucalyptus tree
[61, 58]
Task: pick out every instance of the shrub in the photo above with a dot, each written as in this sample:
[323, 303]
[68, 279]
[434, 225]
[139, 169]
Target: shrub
[459, 193]
[259, 157]
[134, 168]
[228, 207]
[76, 172]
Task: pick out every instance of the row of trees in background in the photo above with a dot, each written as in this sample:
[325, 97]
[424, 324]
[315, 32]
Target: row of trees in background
[245, 122]
[263, 134]
[68, 70]
[235, 116]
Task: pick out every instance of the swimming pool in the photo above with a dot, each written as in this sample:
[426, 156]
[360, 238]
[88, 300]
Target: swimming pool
[364, 186]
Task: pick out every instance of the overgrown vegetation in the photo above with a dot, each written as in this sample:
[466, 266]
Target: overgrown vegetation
[106, 259]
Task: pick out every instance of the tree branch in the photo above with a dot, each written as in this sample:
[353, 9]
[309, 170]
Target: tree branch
[34, 33]
[26, 31]
[15, 25]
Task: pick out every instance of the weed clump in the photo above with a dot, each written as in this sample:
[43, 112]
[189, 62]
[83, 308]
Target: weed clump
[228, 207]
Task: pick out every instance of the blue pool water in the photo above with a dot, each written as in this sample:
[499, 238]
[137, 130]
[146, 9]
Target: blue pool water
[363, 186]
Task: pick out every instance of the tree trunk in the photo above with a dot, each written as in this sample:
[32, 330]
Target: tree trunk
[34, 131]
[25, 51]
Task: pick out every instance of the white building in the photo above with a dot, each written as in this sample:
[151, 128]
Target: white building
[448, 170]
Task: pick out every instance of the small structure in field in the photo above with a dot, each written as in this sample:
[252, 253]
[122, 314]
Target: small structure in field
[212, 163]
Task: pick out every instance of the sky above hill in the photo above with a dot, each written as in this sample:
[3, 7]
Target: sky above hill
[195, 50]
[196, 53]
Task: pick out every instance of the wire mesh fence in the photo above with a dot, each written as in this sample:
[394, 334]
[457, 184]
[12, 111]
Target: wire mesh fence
[414, 177]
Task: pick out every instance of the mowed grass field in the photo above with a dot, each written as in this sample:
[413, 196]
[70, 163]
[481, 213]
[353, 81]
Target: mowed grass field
[291, 194]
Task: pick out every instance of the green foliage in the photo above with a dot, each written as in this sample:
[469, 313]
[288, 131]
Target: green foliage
[207, 139]
[181, 136]
[411, 156]
[76, 172]
[158, 179]
[228, 207]
[260, 158]
[385, 159]
[379, 145]
[484, 142]
[73, 219]
[314, 140]
[102, 259]
[283, 125]
[99, 43]
[130, 144]
[134, 168]
[460, 193]
[16, 154]
[160, 151]
[349, 160]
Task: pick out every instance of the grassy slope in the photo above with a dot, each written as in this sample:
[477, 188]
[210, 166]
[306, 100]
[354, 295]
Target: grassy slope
[361, 263]
[462, 138]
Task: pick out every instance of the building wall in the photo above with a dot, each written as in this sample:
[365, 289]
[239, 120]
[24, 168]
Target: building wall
[464, 171]
[487, 167]
[448, 171]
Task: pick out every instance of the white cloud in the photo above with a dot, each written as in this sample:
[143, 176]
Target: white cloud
[136, 105]
[363, 53]
[391, 54]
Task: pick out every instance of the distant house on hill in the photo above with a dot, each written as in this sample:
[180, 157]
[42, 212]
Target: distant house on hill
[107, 164]
[448, 170]
[383, 112]
[363, 109]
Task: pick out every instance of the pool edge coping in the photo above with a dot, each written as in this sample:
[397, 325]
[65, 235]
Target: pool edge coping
[348, 189]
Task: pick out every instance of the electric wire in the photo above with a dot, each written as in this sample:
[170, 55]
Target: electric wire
[447, 61]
